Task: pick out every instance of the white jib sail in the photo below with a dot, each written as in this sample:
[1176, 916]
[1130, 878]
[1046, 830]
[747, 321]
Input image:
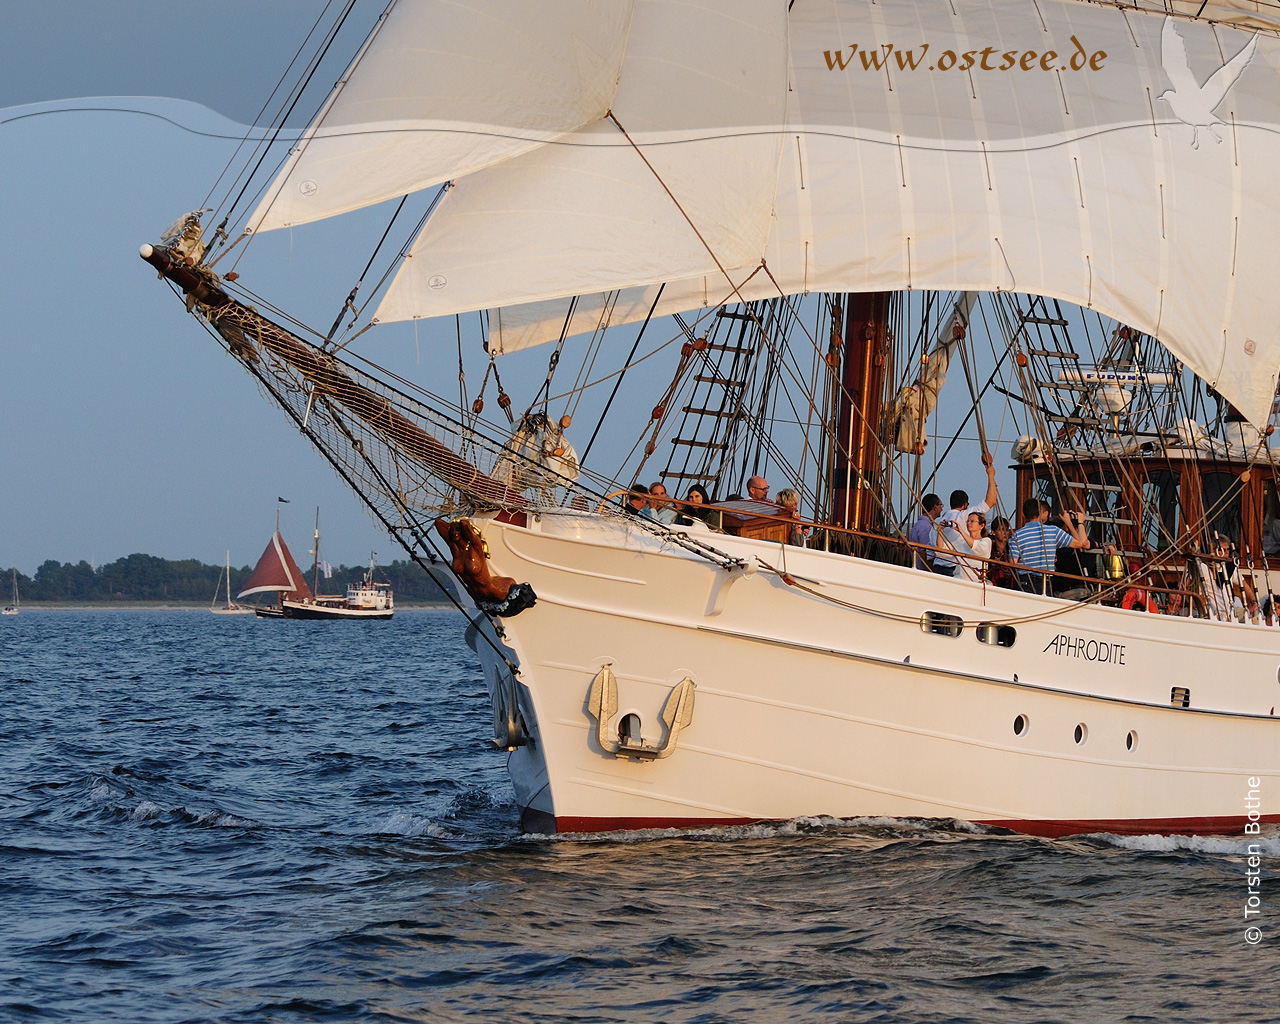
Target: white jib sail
[696, 187]
[444, 88]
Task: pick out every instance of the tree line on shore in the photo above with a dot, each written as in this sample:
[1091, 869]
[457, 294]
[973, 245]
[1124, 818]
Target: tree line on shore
[148, 578]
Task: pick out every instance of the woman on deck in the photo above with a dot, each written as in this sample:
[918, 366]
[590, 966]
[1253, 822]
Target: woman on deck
[976, 543]
[1000, 572]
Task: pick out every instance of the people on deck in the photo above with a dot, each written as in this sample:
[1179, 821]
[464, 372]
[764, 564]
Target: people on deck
[1035, 544]
[1137, 598]
[695, 507]
[1228, 594]
[758, 489]
[1000, 572]
[978, 542]
[952, 523]
[789, 503]
[924, 533]
[637, 503]
[662, 507]
[1071, 564]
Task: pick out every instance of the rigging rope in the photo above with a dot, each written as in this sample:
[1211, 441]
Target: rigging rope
[351, 298]
[299, 91]
[284, 75]
[621, 373]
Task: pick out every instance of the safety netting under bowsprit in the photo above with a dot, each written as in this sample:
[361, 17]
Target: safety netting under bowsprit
[405, 458]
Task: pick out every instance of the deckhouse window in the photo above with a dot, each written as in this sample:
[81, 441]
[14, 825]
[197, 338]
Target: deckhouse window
[1160, 510]
[1222, 504]
[1104, 503]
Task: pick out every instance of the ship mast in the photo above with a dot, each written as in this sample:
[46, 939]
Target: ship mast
[315, 569]
[856, 464]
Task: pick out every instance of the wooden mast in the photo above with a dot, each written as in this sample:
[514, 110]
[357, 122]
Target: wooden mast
[856, 469]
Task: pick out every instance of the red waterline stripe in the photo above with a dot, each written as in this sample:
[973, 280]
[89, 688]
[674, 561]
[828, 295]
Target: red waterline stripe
[566, 823]
[1224, 825]
[1204, 826]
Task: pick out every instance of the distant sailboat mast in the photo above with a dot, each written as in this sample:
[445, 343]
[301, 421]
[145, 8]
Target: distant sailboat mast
[13, 608]
[315, 552]
[230, 608]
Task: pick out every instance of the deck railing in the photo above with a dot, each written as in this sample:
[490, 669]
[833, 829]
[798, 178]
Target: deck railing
[1102, 589]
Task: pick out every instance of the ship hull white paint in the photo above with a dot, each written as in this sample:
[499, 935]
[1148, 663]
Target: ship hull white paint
[310, 610]
[806, 707]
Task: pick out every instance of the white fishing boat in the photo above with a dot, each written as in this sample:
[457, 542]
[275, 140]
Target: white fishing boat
[826, 205]
[230, 607]
[368, 599]
[371, 595]
[12, 609]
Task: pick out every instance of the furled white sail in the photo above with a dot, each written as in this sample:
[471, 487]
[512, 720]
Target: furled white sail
[446, 87]
[1138, 182]
[911, 408]
[678, 179]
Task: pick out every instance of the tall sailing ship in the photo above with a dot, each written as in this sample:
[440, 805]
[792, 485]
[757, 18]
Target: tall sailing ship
[811, 214]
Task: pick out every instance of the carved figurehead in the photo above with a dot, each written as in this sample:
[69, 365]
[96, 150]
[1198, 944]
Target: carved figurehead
[497, 595]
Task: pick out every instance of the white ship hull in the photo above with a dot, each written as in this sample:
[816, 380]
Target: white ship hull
[314, 610]
[807, 707]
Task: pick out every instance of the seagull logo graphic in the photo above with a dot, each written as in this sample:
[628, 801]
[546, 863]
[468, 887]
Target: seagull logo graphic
[1192, 103]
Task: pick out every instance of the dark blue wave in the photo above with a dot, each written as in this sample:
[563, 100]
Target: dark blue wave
[223, 820]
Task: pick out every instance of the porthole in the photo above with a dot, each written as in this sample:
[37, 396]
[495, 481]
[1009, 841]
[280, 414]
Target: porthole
[1131, 741]
[1021, 725]
[1082, 734]
[942, 624]
[996, 635]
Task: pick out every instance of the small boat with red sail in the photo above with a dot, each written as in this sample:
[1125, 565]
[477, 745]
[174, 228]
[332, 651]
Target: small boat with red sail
[277, 572]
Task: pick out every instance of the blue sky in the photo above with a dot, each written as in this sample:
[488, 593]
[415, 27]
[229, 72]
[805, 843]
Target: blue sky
[125, 428]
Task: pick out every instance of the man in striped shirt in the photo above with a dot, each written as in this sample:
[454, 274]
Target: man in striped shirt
[1035, 545]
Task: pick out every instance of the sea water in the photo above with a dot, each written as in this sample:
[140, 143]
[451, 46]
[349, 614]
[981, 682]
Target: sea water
[210, 818]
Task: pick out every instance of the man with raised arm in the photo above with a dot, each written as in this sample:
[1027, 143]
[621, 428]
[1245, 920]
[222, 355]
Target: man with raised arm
[950, 525]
